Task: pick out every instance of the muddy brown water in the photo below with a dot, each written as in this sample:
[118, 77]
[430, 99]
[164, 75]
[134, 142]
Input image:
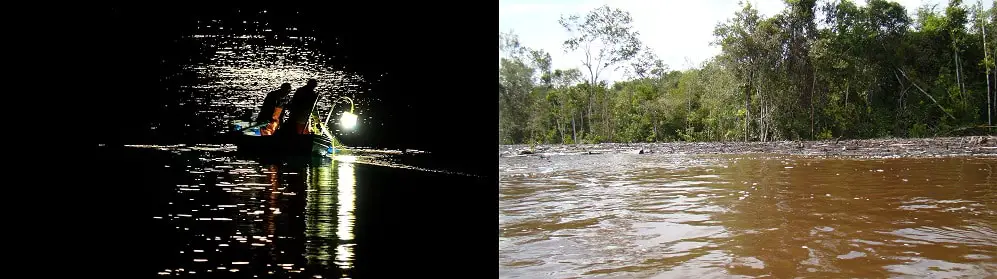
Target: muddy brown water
[730, 216]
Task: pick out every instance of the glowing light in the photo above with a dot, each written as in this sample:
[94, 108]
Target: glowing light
[346, 158]
[348, 121]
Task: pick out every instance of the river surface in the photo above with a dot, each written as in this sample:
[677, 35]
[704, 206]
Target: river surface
[206, 211]
[200, 210]
[727, 216]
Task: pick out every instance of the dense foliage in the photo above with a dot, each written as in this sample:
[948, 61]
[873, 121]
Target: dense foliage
[817, 70]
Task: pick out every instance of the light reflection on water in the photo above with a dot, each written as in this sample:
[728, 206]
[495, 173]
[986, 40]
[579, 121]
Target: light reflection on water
[662, 216]
[227, 76]
[344, 231]
[331, 189]
[240, 216]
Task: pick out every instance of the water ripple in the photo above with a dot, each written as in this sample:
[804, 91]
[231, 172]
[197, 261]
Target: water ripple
[664, 216]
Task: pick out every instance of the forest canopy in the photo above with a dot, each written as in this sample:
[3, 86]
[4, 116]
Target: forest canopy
[816, 70]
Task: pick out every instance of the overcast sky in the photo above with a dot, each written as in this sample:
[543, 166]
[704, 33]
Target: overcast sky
[679, 31]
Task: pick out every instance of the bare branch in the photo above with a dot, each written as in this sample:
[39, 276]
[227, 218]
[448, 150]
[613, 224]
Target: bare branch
[926, 94]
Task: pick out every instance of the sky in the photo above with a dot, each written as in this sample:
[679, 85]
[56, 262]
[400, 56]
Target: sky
[679, 31]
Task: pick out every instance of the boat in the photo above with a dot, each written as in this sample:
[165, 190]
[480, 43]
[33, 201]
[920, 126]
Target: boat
[289, 145]
[319, 143]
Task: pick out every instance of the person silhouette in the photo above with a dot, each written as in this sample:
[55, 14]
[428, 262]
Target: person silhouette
[272, 109]
[301, 106]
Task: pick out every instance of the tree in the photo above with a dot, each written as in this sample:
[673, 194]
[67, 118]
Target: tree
[740, 51]
[824, 71]
[606, 38]
[515, 86]
[646, 64]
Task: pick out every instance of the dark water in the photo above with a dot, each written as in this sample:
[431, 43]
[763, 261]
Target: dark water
[229, 66]
[662, 216]
[223, 69]
[238, 215]
[209, 212]
[201, 210]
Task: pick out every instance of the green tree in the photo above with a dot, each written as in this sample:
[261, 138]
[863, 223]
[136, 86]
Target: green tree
[824, 70]
[606, 37]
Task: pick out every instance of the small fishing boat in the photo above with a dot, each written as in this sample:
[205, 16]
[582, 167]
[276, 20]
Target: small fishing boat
[289, 145]
[319, 142]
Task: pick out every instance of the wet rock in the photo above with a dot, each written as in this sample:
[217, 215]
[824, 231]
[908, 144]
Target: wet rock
[524, 152]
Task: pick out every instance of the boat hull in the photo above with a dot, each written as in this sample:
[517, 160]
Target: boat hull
[285, 145]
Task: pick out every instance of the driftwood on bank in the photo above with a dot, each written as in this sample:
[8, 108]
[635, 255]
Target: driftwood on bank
[926, 147]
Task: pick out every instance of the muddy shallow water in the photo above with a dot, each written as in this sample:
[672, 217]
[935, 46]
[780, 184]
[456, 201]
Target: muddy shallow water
[722, 216]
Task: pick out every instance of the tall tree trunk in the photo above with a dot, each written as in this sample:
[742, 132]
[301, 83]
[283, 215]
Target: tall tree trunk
[581, 120]
[574, 134]
[847, 84]
[761, 112]
[765, 114]
[560, 130]
[747, 109]
[589, 120]
[958, 77]
[813, 87]
[983, 27]
[962, 85]
[688, 108]
[607, 119]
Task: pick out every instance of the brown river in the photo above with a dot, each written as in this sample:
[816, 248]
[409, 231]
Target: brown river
[734, 216]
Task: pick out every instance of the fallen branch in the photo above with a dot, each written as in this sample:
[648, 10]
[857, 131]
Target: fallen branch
[925, 93]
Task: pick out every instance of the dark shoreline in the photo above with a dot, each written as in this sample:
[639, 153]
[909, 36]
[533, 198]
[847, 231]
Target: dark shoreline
[892, 147]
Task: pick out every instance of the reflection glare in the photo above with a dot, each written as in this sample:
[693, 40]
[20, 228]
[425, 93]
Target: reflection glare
[346, 198]
[244, 217]
[318, 222]
[330, 216]
[238, 215]
[275, 185]
[346, 158]
[228, 76]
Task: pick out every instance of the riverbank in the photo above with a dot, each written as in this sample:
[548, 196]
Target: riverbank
[915, 147]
